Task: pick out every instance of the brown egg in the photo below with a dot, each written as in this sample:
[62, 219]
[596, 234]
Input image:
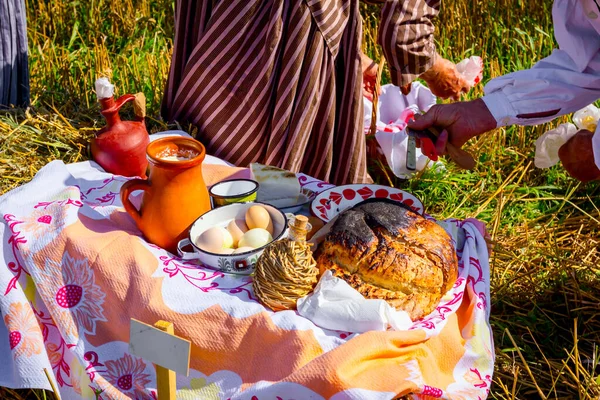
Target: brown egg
[237, 228]
[258, 217]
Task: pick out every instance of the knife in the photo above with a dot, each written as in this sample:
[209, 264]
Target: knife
[462, 158]
[428, 138]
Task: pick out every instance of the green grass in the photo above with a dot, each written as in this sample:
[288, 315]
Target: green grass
[545, 263]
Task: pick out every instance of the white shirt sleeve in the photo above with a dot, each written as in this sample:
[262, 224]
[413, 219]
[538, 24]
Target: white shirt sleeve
[566, 81]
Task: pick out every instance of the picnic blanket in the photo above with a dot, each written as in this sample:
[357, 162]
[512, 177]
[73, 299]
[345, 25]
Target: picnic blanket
[74, 269]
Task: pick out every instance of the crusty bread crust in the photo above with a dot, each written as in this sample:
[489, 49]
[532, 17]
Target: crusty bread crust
[388, 252]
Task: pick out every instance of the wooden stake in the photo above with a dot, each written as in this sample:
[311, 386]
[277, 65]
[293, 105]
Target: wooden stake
[165, 378]
[54, 391]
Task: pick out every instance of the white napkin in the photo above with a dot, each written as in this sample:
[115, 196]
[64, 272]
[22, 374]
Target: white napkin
[104, 89]
[392, 104]
[471, 69]
[547, 145]
[337, 306]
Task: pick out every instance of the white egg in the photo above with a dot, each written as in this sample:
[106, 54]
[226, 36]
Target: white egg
[226, 251]
[210, 240]
[214, 239]
[255, 238]
[227, 239]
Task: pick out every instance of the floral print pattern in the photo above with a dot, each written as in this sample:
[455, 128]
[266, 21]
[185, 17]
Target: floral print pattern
[126, 376]
[24, 333]
[54, 298]
[70, 288]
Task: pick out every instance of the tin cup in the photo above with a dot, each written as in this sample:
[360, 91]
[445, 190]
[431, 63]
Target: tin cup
[233, 191]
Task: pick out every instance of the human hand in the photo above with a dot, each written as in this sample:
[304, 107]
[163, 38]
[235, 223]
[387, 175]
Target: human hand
[369, 71]
[461, 121]
[444, 80]
[577, 157]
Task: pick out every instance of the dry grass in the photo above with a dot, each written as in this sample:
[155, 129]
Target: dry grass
[545, 226]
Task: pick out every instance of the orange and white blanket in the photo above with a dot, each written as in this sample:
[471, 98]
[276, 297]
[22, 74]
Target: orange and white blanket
[74, 270]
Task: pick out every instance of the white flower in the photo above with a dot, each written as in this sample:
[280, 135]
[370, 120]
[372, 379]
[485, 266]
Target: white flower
[587, 118]
[547, 145]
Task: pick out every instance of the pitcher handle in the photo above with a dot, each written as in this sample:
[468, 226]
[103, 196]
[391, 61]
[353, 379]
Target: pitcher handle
[185, 255]
[126, 189]
[123, 99]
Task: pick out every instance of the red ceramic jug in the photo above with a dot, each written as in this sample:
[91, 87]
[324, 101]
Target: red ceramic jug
[120, 147]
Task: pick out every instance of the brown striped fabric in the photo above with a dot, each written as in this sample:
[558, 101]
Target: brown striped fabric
[275, 81]
[406, 36]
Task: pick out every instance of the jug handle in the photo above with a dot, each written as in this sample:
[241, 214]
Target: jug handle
[122, 100]
[126, 189]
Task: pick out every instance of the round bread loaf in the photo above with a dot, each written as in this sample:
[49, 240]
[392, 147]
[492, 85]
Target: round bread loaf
[386, 251]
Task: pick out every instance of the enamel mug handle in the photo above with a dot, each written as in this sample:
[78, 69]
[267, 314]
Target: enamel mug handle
[185, 255]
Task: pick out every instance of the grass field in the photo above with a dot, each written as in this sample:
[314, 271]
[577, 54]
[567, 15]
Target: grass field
[546, 259]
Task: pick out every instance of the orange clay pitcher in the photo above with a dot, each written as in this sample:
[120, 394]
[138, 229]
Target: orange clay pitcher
[175, 194]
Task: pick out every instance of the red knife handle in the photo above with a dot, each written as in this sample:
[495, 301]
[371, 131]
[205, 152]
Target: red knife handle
[428, 148]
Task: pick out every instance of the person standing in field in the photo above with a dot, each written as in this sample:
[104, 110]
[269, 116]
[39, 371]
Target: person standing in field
[564, 82]
[281, 81]
[14, 70]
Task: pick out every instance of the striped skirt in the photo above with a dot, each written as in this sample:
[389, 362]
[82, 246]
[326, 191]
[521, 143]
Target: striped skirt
[14, 73]
[272, 81]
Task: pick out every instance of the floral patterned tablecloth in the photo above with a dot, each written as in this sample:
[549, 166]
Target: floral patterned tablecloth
[74, 269]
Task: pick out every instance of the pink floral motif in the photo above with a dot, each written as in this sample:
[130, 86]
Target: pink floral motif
[70, 286]
[40, 223]
[482, 303]
[66, 202]
[477, 265]
[23, 330]
[426, 324]
[56, 352]
[432, 391]
[474, 377]
[320, 185]
[14, 240]
[92, 359]
[198, 277]
[126, 377]
[458, 283]
[45, 219]
[445, 308]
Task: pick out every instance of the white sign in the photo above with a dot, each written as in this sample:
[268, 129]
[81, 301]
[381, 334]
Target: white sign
[159, 347]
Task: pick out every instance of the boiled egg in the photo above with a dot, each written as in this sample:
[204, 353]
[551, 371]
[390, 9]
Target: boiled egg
[258, 217]
[237, 228]
[255, 238]
[214, 239]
